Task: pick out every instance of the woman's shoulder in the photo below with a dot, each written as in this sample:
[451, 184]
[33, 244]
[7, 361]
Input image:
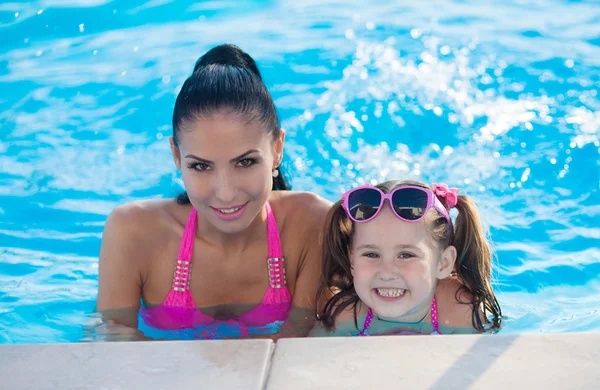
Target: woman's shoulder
[135, 233]
[304, 198]
[144, 216]
[300, 218]
[303, 207]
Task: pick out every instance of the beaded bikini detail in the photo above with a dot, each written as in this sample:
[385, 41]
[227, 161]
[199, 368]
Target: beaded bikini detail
[179, 311]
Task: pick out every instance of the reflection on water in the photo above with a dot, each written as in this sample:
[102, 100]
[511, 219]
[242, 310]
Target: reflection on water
[498, 99]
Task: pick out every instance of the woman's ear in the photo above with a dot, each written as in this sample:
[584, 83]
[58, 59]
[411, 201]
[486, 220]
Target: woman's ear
[175, 152]
[278, 149]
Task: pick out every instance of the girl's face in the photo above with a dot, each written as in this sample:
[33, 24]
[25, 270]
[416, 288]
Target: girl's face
[396, 264]
[226, 165]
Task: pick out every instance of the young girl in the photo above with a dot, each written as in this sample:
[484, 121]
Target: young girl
[395, 263]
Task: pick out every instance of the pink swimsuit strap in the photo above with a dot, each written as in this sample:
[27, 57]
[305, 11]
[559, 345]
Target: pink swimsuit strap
[180, 295]
[434, 319]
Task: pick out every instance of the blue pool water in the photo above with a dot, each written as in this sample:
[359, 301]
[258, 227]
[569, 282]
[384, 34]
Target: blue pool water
[499, 99]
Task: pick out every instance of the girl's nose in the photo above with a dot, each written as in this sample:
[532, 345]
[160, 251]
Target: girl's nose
[388, 272]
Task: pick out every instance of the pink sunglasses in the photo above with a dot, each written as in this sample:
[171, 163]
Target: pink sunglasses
[409, 203]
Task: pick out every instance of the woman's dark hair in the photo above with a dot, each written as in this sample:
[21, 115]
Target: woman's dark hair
[226, 79]
[472, 267]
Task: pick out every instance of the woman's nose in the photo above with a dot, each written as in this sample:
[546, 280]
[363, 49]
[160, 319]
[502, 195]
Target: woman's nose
[226, 189]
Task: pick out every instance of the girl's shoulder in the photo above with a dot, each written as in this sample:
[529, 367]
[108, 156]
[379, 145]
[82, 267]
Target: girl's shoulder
[345, 323]
[455, 306]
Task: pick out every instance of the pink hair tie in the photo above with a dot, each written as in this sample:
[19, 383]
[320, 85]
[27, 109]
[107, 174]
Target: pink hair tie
[441, 190]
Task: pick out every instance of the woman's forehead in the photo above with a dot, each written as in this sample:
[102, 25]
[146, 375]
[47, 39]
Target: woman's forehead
[223, 136]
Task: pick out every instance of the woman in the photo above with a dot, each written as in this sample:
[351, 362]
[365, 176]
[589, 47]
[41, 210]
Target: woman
[208, 248]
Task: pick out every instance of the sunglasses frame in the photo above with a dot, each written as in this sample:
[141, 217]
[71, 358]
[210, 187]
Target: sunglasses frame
[432, 201]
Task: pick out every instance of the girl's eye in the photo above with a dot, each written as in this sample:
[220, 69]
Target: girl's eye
[247, 162]
[406, 255]
[371, 255]
[199, 166]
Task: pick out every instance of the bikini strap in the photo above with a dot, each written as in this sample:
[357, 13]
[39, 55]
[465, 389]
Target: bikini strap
[183, 269]
[434, 319]
[434, 315]
[275, 262]
[367, 323]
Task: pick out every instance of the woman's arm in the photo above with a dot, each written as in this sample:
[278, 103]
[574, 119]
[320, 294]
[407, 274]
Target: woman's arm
[344, 325]
[119, 274]
[318, 330]
[310, 212]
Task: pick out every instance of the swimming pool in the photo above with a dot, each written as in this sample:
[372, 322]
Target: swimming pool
[499, 100]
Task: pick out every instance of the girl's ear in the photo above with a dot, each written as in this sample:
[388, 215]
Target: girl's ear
[446, 263]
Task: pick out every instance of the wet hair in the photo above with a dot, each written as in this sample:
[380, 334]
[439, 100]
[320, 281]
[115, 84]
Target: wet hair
[472, 267]
[226, 79]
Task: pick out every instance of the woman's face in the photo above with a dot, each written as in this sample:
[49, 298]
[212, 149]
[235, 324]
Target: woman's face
[226, 165]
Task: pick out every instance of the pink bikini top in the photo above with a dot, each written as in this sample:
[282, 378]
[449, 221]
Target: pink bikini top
[178, 311]
[434, 321]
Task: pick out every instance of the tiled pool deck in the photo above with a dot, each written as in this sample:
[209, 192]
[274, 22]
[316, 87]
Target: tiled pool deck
[508, 362]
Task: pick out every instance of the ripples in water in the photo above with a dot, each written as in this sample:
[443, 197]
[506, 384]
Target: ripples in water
[500, 100]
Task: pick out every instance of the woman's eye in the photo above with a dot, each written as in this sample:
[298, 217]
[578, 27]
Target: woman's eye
[247, 162]
[199, 166]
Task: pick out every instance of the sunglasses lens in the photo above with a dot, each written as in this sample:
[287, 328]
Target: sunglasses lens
[363, 203]
[410, 203]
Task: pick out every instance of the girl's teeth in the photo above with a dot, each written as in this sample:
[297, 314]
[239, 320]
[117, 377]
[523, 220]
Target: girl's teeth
[390, 292]
[229, 211]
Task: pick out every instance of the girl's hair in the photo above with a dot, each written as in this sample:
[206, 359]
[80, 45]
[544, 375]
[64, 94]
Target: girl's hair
[473, 262]
[226, 79]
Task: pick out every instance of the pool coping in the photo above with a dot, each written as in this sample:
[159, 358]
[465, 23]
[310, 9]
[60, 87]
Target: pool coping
[550, 361]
